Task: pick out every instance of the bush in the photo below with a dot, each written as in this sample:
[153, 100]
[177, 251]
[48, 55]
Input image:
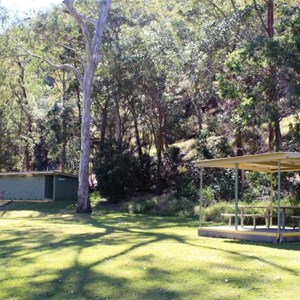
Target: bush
[213, 212]
[258, 186]
[118, 171]
[185, 187]
[208, 196]
[165, 205]
[221, 181]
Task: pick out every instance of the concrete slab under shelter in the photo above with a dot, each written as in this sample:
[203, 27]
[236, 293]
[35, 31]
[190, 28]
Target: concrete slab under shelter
[260, 234]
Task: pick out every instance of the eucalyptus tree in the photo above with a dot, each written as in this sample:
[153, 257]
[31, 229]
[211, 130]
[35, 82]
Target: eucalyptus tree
[85, 75]
[259, 77]
[212, 30]
[92, 59]
[21, 87]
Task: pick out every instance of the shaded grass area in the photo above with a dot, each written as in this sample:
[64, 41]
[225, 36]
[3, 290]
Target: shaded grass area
[108, 255]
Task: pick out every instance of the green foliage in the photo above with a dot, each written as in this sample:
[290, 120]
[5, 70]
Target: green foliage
[119, 173]
[165, 205]
[213, 213]
[170, 71]
[211, 146]
[293, 137]
[187, 186]
[258, 186]
[221, 181]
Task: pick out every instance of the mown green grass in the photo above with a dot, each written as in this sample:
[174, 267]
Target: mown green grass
[51, 253]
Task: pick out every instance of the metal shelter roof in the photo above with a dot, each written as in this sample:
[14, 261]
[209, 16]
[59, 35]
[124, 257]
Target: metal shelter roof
[268, 162]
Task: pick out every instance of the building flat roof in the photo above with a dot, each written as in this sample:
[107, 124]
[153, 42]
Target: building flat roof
[35, 173]
[268, 162]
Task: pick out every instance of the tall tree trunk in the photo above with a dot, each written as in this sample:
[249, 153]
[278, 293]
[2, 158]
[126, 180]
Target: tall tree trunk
[118, 126]
[78, 104]
[274, 125]
[64, 128]
[198, 111]
[158, 169]
[239, 142]
[92, 47]
[22, 97]
[136, 128]
[83, 203]
[159, 149]
[92, 51]
[274, 122]
[271, 137]
[278, 137]
[104, 121]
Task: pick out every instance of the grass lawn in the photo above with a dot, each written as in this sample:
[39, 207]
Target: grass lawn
[48, 252]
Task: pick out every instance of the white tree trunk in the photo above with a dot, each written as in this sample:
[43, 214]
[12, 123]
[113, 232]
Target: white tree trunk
[92, 51]
[92, 47]
[83, 203]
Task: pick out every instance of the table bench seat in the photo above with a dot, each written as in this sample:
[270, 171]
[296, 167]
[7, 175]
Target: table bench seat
[296, 218]
[242, 216]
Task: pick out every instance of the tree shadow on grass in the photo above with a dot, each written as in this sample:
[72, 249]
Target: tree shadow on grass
[120, 241]
[75, 281]
[293, 246]
[239, 256]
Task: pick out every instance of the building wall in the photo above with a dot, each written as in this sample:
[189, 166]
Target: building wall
[65, 187]
[22, 187]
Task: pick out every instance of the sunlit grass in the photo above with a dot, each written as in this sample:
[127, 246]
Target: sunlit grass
[109, 255]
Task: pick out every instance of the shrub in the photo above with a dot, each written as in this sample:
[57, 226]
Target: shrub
[213, 213]
[118, 171]
[186, 187]
[165, 205]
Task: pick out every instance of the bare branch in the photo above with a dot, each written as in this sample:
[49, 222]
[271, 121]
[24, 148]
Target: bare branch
[233, 5]
[88, 19]
[72, 58]
[57, 66]
[78, 18]
[217, 8]
[260, 16]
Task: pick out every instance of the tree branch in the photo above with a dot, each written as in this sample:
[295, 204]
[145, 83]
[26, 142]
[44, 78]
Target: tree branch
[78, 18]
[57, 66]
[260, 16]
[100, 29]
[88, 19]
[217, 8]
[233, 5]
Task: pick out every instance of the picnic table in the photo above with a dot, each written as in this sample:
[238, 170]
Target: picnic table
[267, 213]
[284, 208]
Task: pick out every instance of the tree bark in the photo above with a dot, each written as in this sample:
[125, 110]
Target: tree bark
[136, 128]
[274, 125]
[274, 122]
[22, 97]
[118, 127]
[159, 149]
[92, 47]
[198, 110]
[83, 203]
[104, 121]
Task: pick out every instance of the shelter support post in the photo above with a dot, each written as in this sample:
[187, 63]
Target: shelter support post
[201, 197]
[278, 195]
[272, 197]
[236, 191]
